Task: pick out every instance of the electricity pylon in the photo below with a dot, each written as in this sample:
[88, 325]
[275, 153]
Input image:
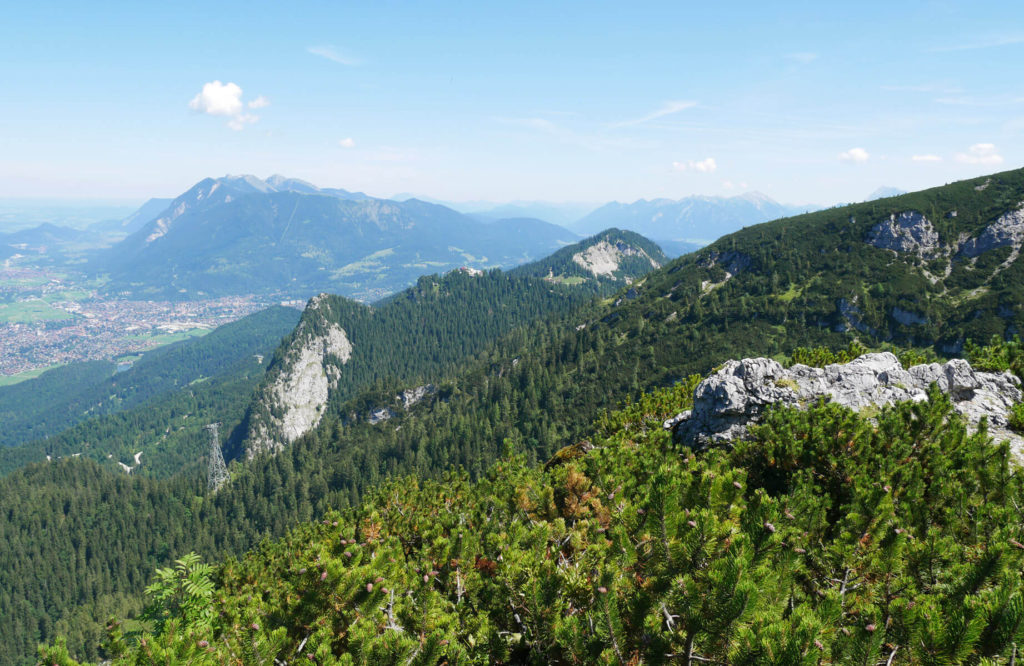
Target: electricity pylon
[217, 475]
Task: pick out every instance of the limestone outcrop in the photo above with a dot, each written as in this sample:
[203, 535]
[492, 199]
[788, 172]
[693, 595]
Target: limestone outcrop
[406, 399]
[1007, 230]
[912, 232]
[736, 396]
[602, 259]
[909, 231]
[293, 399]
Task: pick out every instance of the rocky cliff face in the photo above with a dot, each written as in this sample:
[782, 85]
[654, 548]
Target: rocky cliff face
[907, 232]
[294, 396]
[736, 395]
[604, 258]
[406, 399]
[1007, 230]
[912, 232]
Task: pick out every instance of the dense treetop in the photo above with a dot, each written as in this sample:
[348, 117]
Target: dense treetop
[827, 539]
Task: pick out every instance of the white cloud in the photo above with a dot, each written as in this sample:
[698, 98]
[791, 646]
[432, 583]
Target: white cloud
[241, 120]
[666, 109]
[218, 99]
[802, 57]
[347, 142]
[706, 165]
[854, 155]
[926, 158]
[333, 55]
[225, 99]
[980, 153]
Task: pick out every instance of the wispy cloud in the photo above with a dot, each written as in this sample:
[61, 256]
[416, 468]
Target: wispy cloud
[933, 88]
[590, 141]
[986, 42]
[926, 158]
[347, 142]
[994, 100]
[980, 153]
[333, 54]
[239, 122]
[666, 109]
[706, 165]
[802, 57]
[854, 156]
[225, 100]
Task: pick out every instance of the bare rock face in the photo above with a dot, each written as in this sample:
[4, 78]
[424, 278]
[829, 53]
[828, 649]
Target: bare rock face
[909, 231]
[732, 262]
[410, 397]
[736, 396]
[296, 394]
[912, 232]
[603, 258]
[1007, 230]
[406, 399]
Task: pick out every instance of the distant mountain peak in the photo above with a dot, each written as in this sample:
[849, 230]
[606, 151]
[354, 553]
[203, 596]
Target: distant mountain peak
[247, 180]
[696, 218]
[756, 196]
[240, 234]
[612, 255]
[885, 192]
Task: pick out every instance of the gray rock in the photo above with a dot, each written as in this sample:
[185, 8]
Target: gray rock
[295, 393]
[1007, 230]
[850, 313]
[909, 231]
[406, 399]
[908, 318]
[737, 395]
[732, 262]
[410, 397]
[381, 415]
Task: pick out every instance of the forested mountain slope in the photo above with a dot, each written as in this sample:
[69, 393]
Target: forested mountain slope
[422, 335]
[341, 347]
[763, 291]
[610, 256]
[64, 396]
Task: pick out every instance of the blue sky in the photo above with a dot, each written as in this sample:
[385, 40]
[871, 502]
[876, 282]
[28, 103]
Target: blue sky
[808, 102]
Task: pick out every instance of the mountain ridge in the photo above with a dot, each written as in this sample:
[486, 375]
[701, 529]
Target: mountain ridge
[698, 218]
[243, 235]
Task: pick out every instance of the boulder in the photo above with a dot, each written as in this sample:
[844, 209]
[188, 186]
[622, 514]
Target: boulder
[737, 395]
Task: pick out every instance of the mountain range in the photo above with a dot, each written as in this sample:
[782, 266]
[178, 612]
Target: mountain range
[241, 234]
[697, 219]
[495, 373]
[284, 236]
[560, 213]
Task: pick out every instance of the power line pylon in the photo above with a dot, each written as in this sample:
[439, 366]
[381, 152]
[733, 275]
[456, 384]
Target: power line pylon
[217, 475]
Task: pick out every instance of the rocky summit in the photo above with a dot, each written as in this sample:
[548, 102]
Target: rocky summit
[735, 396]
